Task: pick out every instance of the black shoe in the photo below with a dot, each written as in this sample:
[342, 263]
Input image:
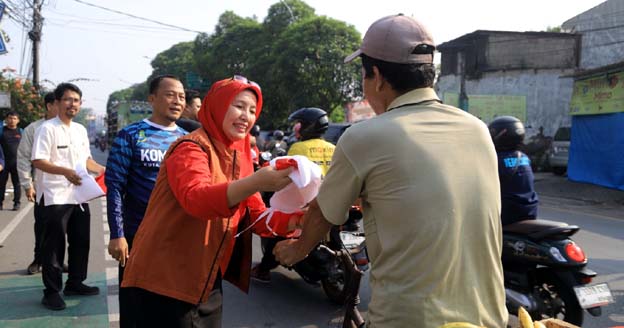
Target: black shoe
[16, 207]
[80, 289]
[33, 268]
[53, 302]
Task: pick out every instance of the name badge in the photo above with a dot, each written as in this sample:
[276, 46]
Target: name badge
[61, 147]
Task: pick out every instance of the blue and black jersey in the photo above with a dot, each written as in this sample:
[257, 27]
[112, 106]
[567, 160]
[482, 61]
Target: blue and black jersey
[519, 199]
[131, 172]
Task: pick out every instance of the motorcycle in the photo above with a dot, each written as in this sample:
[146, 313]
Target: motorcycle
[546, 272]
[327, 264]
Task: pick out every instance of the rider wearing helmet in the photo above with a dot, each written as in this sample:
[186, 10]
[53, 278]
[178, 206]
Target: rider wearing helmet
[278, 146]
[253, 142]
[313, 124]
[518, 196]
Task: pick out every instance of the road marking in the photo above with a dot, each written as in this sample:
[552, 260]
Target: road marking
[15, 222]
[112, 274]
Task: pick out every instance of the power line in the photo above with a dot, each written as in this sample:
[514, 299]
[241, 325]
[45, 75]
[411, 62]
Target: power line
[137, 17]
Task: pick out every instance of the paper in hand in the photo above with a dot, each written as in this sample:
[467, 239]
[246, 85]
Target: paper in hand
[88, 189]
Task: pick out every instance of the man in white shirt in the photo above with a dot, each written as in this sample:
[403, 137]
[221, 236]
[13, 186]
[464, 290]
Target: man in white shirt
[61, 145]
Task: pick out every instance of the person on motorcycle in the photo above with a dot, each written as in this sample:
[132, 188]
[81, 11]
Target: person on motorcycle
[277, 147]
[518, 197]
[255, 152]
[313, 123]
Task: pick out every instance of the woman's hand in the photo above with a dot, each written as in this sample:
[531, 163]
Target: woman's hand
[265, 179]
[270, 179]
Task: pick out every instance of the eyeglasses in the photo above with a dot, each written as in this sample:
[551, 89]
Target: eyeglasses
[71, 100]
[246, 80]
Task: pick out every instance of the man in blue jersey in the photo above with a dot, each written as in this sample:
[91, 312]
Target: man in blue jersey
[131, 171]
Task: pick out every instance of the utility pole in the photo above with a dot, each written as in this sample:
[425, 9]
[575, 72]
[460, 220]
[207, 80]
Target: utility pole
[35, 37]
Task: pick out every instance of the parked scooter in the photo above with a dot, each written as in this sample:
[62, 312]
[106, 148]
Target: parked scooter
[546, 272]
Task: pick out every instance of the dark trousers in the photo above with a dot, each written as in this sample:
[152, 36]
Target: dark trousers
[156, 310]
[17, 189]
[39, 209]
[268, 261]
[127, 299]
[59, 220]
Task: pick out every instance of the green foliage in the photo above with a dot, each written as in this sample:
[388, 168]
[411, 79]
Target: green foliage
[295, 55]
[176, 60]
[314, 68]
[284, 13]
[83, 114]
[556, 29]
[337, 115]
[24, 100]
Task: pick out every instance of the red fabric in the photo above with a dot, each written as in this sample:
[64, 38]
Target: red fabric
[194, 187]
[100, 182]
[213, 110]
[284, 163]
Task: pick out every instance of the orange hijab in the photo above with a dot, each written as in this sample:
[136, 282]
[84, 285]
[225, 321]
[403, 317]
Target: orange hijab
[213, 110]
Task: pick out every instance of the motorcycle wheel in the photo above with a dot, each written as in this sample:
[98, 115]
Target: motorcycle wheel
[558, 301]
[335, 285]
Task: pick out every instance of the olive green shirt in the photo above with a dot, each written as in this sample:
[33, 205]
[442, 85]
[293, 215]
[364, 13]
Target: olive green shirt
[427, 175]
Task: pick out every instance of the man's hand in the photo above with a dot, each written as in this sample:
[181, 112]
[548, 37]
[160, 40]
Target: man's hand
[288, 252]
[30, 194]
[73, 177]
[118, 249]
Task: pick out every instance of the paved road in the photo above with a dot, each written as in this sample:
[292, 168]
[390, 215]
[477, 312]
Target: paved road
[287, 301]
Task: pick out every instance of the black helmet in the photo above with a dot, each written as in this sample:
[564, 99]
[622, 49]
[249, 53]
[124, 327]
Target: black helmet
[279, 135]
[314, 122]
[255, 130]
[507, 133]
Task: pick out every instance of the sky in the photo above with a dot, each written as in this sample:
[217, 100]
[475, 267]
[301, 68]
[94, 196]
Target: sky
[103, 52]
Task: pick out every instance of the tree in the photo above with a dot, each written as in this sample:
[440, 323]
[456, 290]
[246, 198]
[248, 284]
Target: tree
[296, 57]
[24, 99]
[308, 65]
[284, 13]
[177, 60]
[555, 29]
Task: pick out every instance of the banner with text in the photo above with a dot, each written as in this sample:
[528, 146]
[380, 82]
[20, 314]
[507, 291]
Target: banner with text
[599, 95]
[487, 107]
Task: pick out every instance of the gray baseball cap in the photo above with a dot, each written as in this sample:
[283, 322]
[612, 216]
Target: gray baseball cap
[397, 39]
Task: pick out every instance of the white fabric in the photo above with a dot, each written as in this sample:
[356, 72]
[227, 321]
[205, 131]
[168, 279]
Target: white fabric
[306, 179]
[62, 145]
[306, 182]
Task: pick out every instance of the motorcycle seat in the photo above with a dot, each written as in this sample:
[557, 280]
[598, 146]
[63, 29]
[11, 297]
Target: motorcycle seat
[540, 229]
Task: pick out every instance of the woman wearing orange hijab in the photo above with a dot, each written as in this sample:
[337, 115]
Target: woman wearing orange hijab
[193, 233]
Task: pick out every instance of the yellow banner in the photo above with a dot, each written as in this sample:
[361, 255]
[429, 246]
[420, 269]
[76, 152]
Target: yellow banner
[599, 95]
[487, 107]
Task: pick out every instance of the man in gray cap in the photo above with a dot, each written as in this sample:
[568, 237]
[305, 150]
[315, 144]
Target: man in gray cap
[427, 177]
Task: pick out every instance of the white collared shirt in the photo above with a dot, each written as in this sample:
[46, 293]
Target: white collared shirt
[62, 145]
